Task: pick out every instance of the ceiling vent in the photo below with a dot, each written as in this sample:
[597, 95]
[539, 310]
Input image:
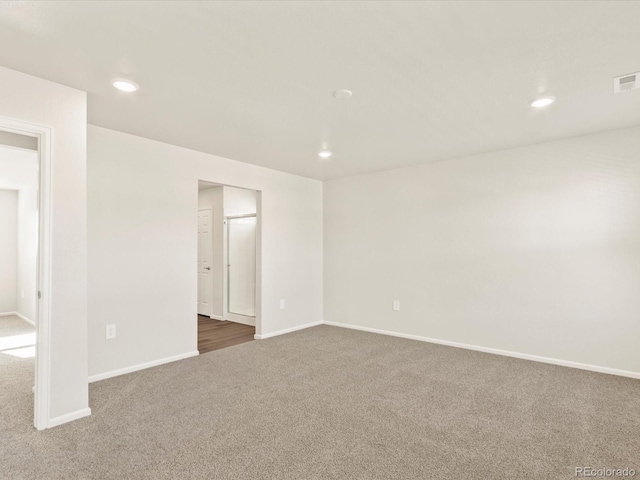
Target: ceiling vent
[626, 82]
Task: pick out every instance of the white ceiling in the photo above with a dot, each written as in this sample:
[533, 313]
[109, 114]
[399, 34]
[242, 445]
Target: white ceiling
[253, 81]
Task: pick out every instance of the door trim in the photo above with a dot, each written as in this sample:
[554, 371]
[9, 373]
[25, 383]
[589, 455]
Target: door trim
[44, 134]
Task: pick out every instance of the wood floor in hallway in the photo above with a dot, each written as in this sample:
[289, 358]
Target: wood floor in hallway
[217, 334]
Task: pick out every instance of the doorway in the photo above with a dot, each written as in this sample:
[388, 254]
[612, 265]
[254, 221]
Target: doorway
[227, 265]
[23, 369]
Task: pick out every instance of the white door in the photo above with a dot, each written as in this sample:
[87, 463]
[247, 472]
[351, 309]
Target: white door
[205, 254]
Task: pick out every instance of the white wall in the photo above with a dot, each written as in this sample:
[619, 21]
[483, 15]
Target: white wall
[17, 140]
[213, 198]
[532, 250]
[19, 171]
[239, 201]
[26, 294]
[38, 101]
[143, 196]
[8, 249]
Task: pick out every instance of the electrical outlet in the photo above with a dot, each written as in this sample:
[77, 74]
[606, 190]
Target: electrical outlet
[281, 304]
[22, 293]
[110, 331]
[396, 305]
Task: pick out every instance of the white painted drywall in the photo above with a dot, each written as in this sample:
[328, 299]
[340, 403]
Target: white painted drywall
[143, 198]
[213, 198]
[533, 250]
[239, 201]
[64, 109]
[19, 171]
[22, 142]
[8, 249]
[26, 294]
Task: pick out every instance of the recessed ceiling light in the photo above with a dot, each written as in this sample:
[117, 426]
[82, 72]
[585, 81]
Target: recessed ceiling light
[125, 85]
[325, 153]
[542, 102]
[342, 94]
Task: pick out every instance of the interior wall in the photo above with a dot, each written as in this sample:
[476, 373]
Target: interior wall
[19, 171]
[17, 140]
[143, 247]
[27, 281]
[239, 201]
[532, 250]
[213, 198]
[64, 109]
[241, 275]
[8, 249]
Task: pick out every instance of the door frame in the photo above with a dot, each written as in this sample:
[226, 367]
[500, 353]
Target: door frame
[42, 392]
[259, 297]
[210, 210]
[228, 315]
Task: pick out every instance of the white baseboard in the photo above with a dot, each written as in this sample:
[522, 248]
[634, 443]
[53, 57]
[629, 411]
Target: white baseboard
[495, 351]
[287, 330]
[19, 315]
[217, 317]
[26, 319]
[141, 366]
[68, 417]
[232, 317]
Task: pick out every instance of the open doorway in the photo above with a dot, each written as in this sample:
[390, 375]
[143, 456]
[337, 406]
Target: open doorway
[228, 246]
[19, 226]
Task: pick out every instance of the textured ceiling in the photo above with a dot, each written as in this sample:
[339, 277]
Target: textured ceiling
[253, 81]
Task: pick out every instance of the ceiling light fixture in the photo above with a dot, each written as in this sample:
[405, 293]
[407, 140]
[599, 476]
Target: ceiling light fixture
[342, 94]
[325, 153]
[125, 85]
[542, 102]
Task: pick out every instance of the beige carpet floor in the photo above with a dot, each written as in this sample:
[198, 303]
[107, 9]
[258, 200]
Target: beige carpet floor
[329, 403]
[17, 375]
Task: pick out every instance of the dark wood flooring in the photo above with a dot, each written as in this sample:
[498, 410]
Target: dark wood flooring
[217, 334]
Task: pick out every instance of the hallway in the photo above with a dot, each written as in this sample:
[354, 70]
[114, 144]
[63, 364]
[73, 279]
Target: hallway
[217, 334]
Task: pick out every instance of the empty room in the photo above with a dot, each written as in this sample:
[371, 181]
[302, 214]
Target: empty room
[319, 240]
